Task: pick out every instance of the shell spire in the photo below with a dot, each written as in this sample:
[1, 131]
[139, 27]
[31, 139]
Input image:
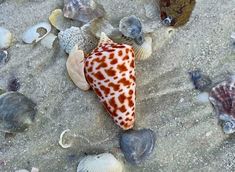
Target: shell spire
[109, 70]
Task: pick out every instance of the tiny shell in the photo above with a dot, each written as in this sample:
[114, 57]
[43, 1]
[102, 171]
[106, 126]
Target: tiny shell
[83, 10]
[17, 112]
[200, 81]
[36, 32]
[5, 38]
[85, 40]
[222, 97]
[75, 68]
[137, 145]
[131, 27]
[3, 57]
[233, 35]
[49, 40]
[105, 162]
[151, 10]
[61, 141]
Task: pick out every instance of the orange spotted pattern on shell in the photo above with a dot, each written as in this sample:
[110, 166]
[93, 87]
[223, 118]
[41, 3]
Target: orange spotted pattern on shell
[109, 70]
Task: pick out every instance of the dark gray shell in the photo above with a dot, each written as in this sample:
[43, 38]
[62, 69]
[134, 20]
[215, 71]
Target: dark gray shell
[17, 112]
[200, 81]
[131, 27]
[137, 145]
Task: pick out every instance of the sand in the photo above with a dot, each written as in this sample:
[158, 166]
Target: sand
[188, 136]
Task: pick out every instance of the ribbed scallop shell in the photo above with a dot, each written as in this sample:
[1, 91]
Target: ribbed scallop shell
[222, 96]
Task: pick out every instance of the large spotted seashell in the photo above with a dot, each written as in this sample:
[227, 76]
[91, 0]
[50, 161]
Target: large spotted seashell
[222, 97]
[110, 71]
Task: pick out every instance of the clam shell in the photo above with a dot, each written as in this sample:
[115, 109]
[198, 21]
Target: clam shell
[75, 68]
[137, 145]
[36, 33]
[17, 112]
[5, 38]
[82, 10]
[85, 40]
[105, 162]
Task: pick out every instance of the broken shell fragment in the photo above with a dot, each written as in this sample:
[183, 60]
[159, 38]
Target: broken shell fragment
[85, 40]
[61, 141]
[82, 10]
[137, 145]
[131, 27]
[58, 20]
[104, 162]
[75, 68]
[3, 57]
[49, 40]
[36, 33]
[5, 38]
[17, 112]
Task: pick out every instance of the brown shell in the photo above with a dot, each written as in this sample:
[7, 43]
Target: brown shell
[179, 10]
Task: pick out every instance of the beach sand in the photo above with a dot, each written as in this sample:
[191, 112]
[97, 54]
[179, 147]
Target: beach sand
[188, 136]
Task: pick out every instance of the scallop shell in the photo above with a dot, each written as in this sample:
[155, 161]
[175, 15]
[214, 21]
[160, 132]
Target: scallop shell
[142, 52]
[80, 36]
[131, 27]
[105, 162]
[5, 38]
[17, 112]
[222, 97]
[75, 68]
[137, 145]
[151, 10]
[82, 10]
[36, 33]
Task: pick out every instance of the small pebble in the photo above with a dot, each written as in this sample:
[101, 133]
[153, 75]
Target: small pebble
[13, 84]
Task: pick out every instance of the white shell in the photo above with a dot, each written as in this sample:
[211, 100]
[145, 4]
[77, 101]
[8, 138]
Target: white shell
[61, 141]
[233, 35]
[151, 10]
[75, 67]
[5, 38]
[49, 40]
[105, 162]
[85, 40]
[143, 51]
[36, 32]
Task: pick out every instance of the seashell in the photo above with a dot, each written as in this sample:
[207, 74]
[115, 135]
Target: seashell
[82, 10]
[137, 145]
[5, 38]
[175, 13]
[131, 27]
[17, 112]
[104, 162]
[201, 82]
[58, 20]
[110, 71]
[222, 97]
[142, 52]
[36, 33]
[151, 10]
[49, 40]
[80, 36]
[61, 141]
[22, 170]
[75, 68]
[3, 57]
[13, 84]
[233, 35]
[203, 97]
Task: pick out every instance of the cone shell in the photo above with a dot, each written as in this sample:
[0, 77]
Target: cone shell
[109, 69]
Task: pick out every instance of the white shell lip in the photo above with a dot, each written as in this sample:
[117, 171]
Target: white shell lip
[32, 34]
